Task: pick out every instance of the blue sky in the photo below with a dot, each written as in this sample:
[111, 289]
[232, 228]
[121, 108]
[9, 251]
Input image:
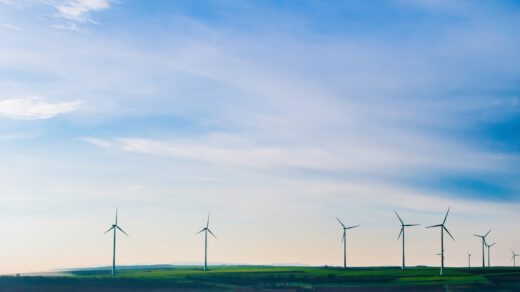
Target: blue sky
[266, 113]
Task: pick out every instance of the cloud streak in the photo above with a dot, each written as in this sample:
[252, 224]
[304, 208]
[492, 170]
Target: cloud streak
[80, 10]
[359, 158]
[35, 108]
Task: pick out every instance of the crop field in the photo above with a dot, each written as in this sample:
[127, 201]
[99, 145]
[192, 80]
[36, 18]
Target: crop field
[257, 278]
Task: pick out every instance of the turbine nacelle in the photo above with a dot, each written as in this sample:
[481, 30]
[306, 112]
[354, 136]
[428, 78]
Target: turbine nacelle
[208, 230]
[115, 226]
[442, 225]
[483, 237]
[489, 245]
[403, 225]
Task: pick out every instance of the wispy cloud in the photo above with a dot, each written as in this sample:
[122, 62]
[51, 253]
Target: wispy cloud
[355, 157]
[80, 10]
[35, 108]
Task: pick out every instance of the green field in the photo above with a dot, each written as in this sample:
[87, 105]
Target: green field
[252, 278]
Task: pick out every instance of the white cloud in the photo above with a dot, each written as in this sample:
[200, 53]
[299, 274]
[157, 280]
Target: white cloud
[346, 156]
[35, 108]
[97, 142]
[79, 10]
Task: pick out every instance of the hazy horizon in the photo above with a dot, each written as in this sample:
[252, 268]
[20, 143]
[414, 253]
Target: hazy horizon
[273, 116]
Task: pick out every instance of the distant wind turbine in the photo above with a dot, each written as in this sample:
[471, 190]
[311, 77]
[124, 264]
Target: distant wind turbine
[514, 258]
[443, 228]
[469, 260]
[115, 227]
[489, 253]
[206, 230]
[344, 240]
[402, 233]
[483, 237]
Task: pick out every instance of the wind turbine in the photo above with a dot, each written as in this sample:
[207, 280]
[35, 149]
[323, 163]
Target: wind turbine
[514, 258]
[206, 230]
[344, 240]
[483, 237]
[443, 228]
[115, 227]
[489, 253]
[469, 260]
[402, 232]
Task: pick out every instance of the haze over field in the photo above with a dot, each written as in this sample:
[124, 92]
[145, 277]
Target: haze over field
[275, 116]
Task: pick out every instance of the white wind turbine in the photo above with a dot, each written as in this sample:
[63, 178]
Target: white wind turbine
[206, 230]
[514, 258]
[443, 228]
[469, 259]
[115, 227]
[489, 253]
[344, 240]
[402, 233]
[483, 237]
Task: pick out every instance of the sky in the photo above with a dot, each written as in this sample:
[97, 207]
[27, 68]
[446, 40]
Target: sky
[273, 116]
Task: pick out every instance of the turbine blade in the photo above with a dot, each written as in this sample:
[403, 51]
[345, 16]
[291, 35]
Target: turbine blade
[201, 230]
[399, 217]
[350, 227]
[478, 236]
[212, 233]
[400, 232]
[446, 217]
[207, 223]
[408, 225]
[487, 233]
[109, 230]
[122, 230]
[342, 225]
[492, 244]
[116, 215]
[448, 232]
[438, 225]
[344, 235]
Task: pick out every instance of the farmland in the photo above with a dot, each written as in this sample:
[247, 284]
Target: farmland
[253, 278]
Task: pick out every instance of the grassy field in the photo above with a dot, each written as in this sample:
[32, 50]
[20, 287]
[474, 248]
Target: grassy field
[253, 278]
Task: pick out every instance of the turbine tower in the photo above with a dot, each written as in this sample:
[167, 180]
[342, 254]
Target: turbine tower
[514, 258]
[115, 227]
[344, 240]
[443, 228]
[489, 253]
[483, 237]
[402, 233]
[469, 260]
[206, 230]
